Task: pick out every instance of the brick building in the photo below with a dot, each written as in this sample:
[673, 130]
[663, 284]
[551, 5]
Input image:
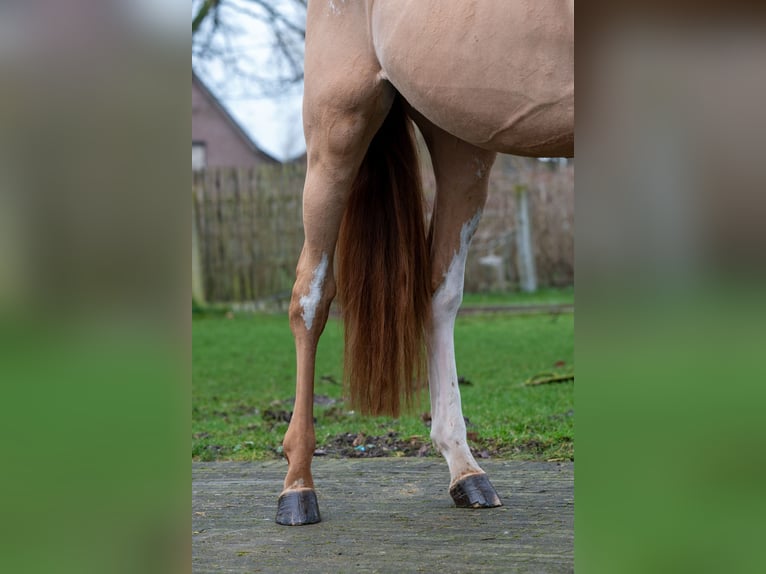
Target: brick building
[217, 139]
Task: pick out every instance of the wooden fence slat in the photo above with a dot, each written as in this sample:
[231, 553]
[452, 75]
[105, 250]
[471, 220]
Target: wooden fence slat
[211, 245]
[198, 286]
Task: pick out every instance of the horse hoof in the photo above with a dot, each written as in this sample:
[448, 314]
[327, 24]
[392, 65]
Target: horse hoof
[297, 507]
[475, 491]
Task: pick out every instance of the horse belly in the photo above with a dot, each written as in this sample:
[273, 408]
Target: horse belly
[496, 74]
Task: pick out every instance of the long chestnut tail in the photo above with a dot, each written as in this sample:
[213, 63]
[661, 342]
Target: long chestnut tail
[383, 273]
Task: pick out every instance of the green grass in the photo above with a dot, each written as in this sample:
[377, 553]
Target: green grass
[243, 366]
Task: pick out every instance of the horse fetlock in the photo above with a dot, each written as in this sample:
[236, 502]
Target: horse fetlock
[446, 439]
[299, 443]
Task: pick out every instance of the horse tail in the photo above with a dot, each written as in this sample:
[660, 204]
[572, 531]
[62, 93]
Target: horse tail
[384, 280]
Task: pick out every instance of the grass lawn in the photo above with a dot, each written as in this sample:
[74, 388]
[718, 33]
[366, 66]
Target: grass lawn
[244, 381]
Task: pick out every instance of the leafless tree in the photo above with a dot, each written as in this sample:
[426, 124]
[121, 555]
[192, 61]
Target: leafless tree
[222, 35]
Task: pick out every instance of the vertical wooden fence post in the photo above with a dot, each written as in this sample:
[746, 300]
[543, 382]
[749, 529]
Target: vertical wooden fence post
[525, 253]
[198, 287]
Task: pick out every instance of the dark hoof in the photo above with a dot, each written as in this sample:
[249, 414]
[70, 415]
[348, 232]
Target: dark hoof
[296, 507]
[475, 491]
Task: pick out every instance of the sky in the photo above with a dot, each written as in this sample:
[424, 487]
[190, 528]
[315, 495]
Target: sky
[274, 124]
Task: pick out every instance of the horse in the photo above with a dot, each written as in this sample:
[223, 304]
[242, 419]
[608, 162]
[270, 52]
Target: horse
[478, 78]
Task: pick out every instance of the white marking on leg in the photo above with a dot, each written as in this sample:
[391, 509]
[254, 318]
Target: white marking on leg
[310, 301]
[448, 430]
[466, 234]
[453, 278]
[334, 8]
[481, 167]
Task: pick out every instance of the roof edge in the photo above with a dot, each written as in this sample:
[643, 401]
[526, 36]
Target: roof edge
[229, 118]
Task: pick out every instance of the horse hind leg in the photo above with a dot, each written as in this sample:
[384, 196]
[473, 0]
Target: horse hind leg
[325, 195]
[462, 172]
[338, 133]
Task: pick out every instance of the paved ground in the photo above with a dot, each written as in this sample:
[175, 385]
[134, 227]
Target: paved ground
[383, 515]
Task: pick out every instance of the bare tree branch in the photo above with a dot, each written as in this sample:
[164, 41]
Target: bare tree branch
[217, 23]
[274, 16]
[206, 10]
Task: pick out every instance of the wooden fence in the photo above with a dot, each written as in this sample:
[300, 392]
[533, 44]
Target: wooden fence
[248, 229]
[549, 188]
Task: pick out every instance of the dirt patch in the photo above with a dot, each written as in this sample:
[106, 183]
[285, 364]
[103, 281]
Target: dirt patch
[392, 444]
[349, 445]
[277, 415]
